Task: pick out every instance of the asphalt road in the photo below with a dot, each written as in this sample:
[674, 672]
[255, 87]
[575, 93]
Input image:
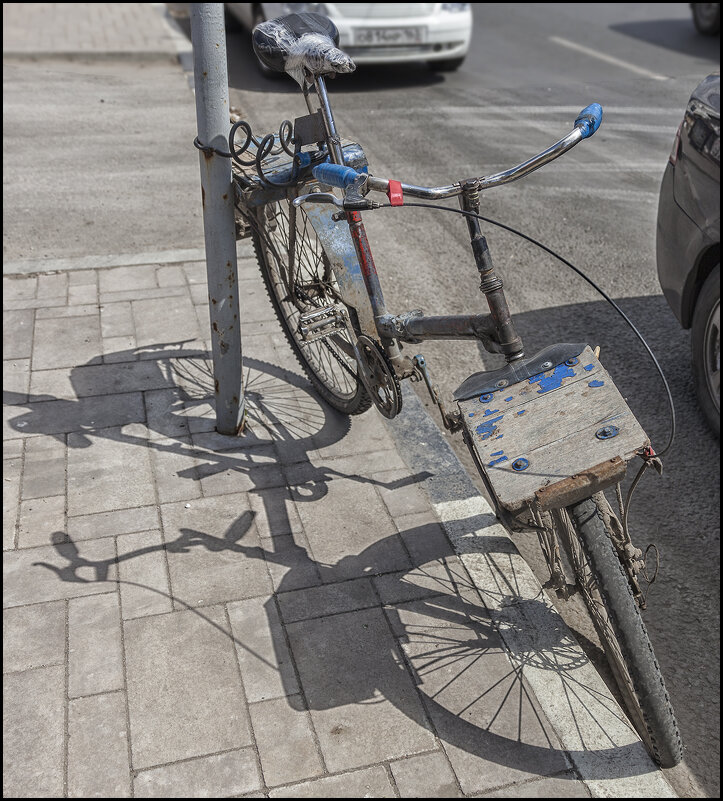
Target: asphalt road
[531, 68]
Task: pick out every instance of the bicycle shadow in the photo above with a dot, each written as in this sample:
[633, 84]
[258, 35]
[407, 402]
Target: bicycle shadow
[430, 624]
[428, 651]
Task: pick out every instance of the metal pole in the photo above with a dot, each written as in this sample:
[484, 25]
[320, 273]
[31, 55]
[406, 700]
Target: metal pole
[208, 34]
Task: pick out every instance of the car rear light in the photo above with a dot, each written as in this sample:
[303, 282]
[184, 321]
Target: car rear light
[673, 158]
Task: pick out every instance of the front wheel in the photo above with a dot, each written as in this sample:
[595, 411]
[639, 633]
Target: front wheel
[585, 532]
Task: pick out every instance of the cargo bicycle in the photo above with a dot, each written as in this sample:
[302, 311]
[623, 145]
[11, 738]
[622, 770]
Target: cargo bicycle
[549, 432]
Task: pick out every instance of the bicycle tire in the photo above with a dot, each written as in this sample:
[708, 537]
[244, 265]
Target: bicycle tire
[328, 363]
[616, 616]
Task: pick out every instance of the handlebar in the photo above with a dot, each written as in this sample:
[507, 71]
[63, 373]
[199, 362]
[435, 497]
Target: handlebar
[587, 122]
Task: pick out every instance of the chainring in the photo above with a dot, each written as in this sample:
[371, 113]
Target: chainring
[379, 377]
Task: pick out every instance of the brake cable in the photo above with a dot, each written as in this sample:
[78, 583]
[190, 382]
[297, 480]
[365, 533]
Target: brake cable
[649, 456]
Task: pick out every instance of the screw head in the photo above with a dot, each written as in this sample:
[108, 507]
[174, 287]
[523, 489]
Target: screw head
[486, 398]
[607, 432]
[546, 365]
[570, 362]
[503, 382]
[520, 464]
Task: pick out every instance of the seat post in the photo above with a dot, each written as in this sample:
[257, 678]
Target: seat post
[332, 136]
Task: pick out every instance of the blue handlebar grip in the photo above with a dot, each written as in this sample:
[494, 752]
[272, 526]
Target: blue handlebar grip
[589, 119]
[335, 175]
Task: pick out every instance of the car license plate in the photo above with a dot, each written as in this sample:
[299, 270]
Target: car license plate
[389, 36]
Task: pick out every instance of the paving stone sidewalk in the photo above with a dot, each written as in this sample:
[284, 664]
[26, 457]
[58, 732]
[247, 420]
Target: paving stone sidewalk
[277, 615]
[192, 614]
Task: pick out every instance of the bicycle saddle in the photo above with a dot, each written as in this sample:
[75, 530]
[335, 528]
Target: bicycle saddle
[298, 43]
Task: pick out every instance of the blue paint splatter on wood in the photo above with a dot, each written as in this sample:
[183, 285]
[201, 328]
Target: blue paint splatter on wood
[471, 414]
[496, 461]
[588, 367]
[521, 412]
[488, 412]
[507, 400]
[595, 383]
[554, 380]
[499, 436]
[497, 453]
[486, 430]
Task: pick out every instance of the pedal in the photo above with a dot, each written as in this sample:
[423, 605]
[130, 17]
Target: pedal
[322, 323]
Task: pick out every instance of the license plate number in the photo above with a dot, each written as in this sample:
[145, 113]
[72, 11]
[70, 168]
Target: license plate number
[389, 36]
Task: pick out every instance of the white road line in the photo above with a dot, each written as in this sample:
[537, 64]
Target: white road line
[626, 65]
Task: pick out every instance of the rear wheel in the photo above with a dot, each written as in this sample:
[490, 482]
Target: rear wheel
[299, 279]
[584, 530]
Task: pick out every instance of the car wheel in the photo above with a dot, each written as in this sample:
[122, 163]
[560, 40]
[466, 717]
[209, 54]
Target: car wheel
[706, 17]
[450, 65]
[706, 348]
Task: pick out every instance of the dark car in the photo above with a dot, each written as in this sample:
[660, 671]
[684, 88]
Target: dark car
[688, 238]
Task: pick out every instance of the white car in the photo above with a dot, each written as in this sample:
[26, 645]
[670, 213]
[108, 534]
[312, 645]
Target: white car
[384, 33]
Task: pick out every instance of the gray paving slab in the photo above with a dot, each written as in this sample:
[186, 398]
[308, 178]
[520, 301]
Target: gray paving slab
[351, 545]
[100, 379]
[289, 562]
[425, 776]
[12, 475]
[365, 708]
[44, 468]
[292, 757]
[116, 320]
[51, 417]
[160, 320]
[33, 736]
[261, 648]
[343, 596]
[212, 547]
[175, 466]
[56, 344]
[16, 380]
[98, 763]
[39, 519]
[33, 636]
[565, 786]
[143, 575]
[110, 524]
[94, 485]
[65, 312]
[185, 697]
[17, 333]
[95, 654]
[228, 775]
[59, 571]
[367, 783]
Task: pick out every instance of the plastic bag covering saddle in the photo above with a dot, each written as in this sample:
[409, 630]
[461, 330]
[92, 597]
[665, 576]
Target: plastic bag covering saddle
[298, 43]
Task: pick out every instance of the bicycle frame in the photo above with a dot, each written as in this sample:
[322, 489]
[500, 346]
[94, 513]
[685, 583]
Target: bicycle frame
[495, 330]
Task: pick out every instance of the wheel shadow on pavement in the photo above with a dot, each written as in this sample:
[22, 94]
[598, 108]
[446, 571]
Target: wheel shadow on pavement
[431, 653]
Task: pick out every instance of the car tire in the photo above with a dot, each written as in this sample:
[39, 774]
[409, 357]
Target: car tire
[450, 65]
[706, 18]
[705, 342]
